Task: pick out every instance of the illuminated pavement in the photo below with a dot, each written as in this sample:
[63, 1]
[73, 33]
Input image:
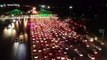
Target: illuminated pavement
[11, 48]
[19, 51]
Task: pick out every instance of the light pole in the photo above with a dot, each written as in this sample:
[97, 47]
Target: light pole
[1, 6]
[103, 32]
[70, 7]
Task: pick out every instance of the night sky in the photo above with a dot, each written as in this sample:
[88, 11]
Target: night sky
[59, 2]
[86, 8]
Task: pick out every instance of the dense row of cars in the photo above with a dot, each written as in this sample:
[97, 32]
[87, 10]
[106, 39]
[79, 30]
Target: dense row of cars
[62, 40]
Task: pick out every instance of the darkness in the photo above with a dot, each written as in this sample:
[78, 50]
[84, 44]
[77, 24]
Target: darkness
[88, 8]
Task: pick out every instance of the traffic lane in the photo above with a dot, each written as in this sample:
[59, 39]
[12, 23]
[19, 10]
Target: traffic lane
[9, 34]
[21, 52]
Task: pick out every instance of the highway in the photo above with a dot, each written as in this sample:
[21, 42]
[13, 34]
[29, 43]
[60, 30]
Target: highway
[49, 39]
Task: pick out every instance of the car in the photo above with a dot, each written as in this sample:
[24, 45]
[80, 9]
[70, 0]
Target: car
[21, 41]
[16, 40]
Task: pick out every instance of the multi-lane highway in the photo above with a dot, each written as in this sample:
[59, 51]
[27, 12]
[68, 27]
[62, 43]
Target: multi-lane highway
[48, 38]
[54, 39]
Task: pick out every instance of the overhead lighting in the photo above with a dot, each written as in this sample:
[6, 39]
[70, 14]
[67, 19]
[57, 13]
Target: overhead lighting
[48, 7]
[34, 8]
[43, 6]
[70, 7]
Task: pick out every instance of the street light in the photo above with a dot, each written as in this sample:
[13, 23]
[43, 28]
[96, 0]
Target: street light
[34, 10]
[48, 7]
[42, 6]
[102, 31]
[70, 7]
[1, 6]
